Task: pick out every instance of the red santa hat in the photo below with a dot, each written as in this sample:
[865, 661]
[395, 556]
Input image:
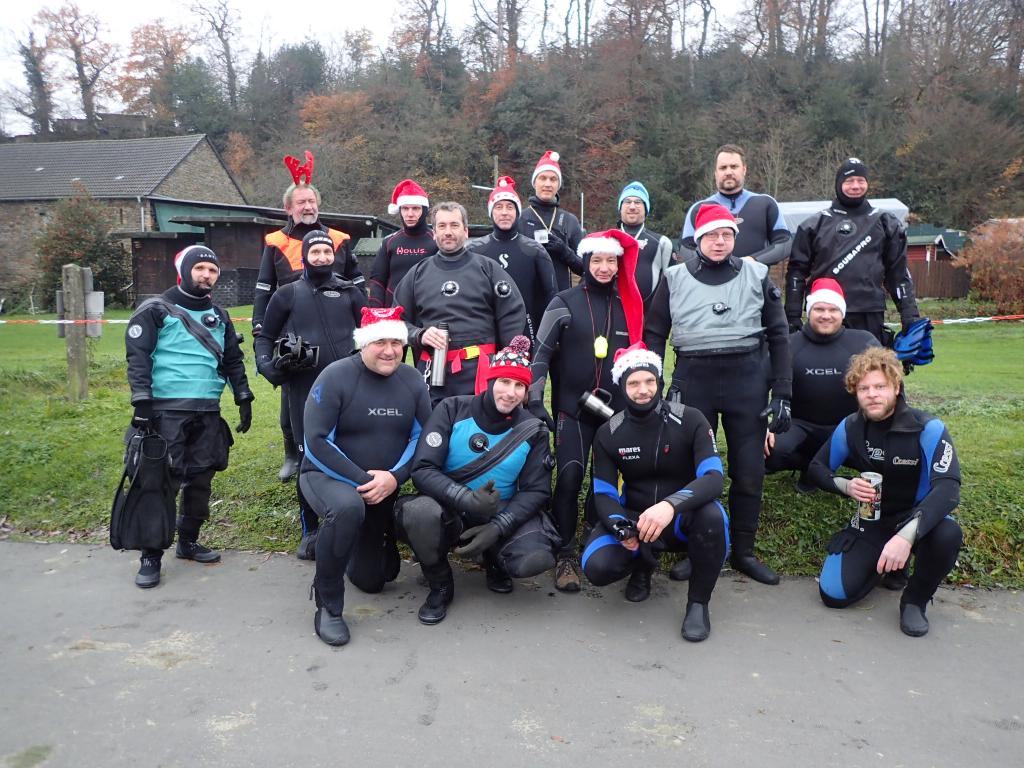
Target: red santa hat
[617, 242]
[634, 358]
[408, 192]
[512, 362]
[711, 217]
[505, 189]
[548, 162]
[379, 323]
[828, 291]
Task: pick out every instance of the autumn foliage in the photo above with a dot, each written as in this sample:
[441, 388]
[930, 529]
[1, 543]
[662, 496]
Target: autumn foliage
[995, 258]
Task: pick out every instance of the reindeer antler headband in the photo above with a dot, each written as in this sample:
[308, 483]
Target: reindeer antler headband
[298, 171]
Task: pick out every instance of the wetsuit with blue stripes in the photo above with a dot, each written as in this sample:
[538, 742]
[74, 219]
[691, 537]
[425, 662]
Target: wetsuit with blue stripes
[358, 420]
[667, 453]
[914, 453]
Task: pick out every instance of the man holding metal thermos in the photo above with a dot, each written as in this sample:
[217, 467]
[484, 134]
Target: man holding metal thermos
[459, 307]
[907, 490]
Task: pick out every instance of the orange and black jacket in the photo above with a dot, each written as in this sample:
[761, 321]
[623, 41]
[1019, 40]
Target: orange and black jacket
[282, 263]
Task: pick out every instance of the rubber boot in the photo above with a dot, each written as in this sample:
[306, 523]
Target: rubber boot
[913, 622]
[290, 466]
[681, 571]
[498, 579]
[638, 588]
[329, 627]
[442, 592]
[743, 560]
[696, 622]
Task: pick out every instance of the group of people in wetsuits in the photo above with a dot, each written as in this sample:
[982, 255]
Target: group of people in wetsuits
[490, 322]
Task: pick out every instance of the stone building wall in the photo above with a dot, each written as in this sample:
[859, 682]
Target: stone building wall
[201, 176]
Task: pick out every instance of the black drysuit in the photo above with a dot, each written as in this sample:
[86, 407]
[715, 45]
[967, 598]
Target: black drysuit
[865, 250]
[478, 300]
[278, 268]
[642, 457]
[914, 453]
[357, 420]
[324, 311]
[529, 266]
[820, 400]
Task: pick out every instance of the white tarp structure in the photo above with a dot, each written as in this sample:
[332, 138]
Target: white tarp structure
[798, 212]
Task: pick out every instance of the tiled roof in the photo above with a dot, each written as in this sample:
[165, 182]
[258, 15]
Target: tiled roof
[107, 168]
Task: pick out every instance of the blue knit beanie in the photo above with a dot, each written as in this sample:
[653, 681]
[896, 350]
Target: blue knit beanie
[636, 189]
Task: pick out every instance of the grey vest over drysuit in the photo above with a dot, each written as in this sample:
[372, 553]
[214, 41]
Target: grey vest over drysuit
[717, 319]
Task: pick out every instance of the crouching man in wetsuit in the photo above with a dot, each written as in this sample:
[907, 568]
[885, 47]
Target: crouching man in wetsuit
[914, 454]
[657, 479]
[484, 469]
[362, 420]
[180, 349]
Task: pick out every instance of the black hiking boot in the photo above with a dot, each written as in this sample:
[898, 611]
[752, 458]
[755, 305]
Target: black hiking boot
[498, 579]
[193, 550]
[149, 572]
[435, 607]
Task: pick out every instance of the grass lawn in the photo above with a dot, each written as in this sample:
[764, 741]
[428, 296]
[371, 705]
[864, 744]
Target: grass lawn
[62, 460]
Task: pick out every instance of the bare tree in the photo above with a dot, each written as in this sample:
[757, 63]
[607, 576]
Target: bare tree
[222, 26]
[76, 36]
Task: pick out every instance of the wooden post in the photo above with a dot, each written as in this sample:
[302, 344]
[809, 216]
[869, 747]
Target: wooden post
[74, 309]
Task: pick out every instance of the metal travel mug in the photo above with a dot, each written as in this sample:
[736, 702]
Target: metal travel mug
[438, 359]
[598, 403]
[871, 510]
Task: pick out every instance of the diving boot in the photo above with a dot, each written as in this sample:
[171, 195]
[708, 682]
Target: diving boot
[896, 580]
[913, 622]
[307, 547]
[290, 466]
[193, 550]
[435, 607]
[638, 588]
[696, 622]
[681, 571]
[498, 579]
[743, 560]
[329, 627]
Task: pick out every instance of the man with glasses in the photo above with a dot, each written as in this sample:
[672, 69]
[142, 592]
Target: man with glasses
[723, 309]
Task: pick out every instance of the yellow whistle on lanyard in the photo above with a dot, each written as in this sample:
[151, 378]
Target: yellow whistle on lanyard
[600, 347]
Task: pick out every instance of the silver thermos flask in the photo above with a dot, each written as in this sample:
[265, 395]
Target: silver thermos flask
[439, 359]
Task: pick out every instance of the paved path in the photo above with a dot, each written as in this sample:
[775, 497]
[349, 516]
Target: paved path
[219, 666]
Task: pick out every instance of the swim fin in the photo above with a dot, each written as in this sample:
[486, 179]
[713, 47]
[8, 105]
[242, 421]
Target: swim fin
[142, 515]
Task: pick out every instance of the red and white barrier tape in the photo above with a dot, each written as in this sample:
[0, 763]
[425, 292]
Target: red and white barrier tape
[249, 319]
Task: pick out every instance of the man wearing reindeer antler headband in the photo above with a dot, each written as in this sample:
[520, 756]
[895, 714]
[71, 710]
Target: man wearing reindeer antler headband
[282, 263]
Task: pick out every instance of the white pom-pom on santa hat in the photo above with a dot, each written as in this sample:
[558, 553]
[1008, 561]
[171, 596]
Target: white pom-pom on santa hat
[548, 162]
[599, 244]
[407, 192]
[505, 189]
[378, 323]
[633, 357]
